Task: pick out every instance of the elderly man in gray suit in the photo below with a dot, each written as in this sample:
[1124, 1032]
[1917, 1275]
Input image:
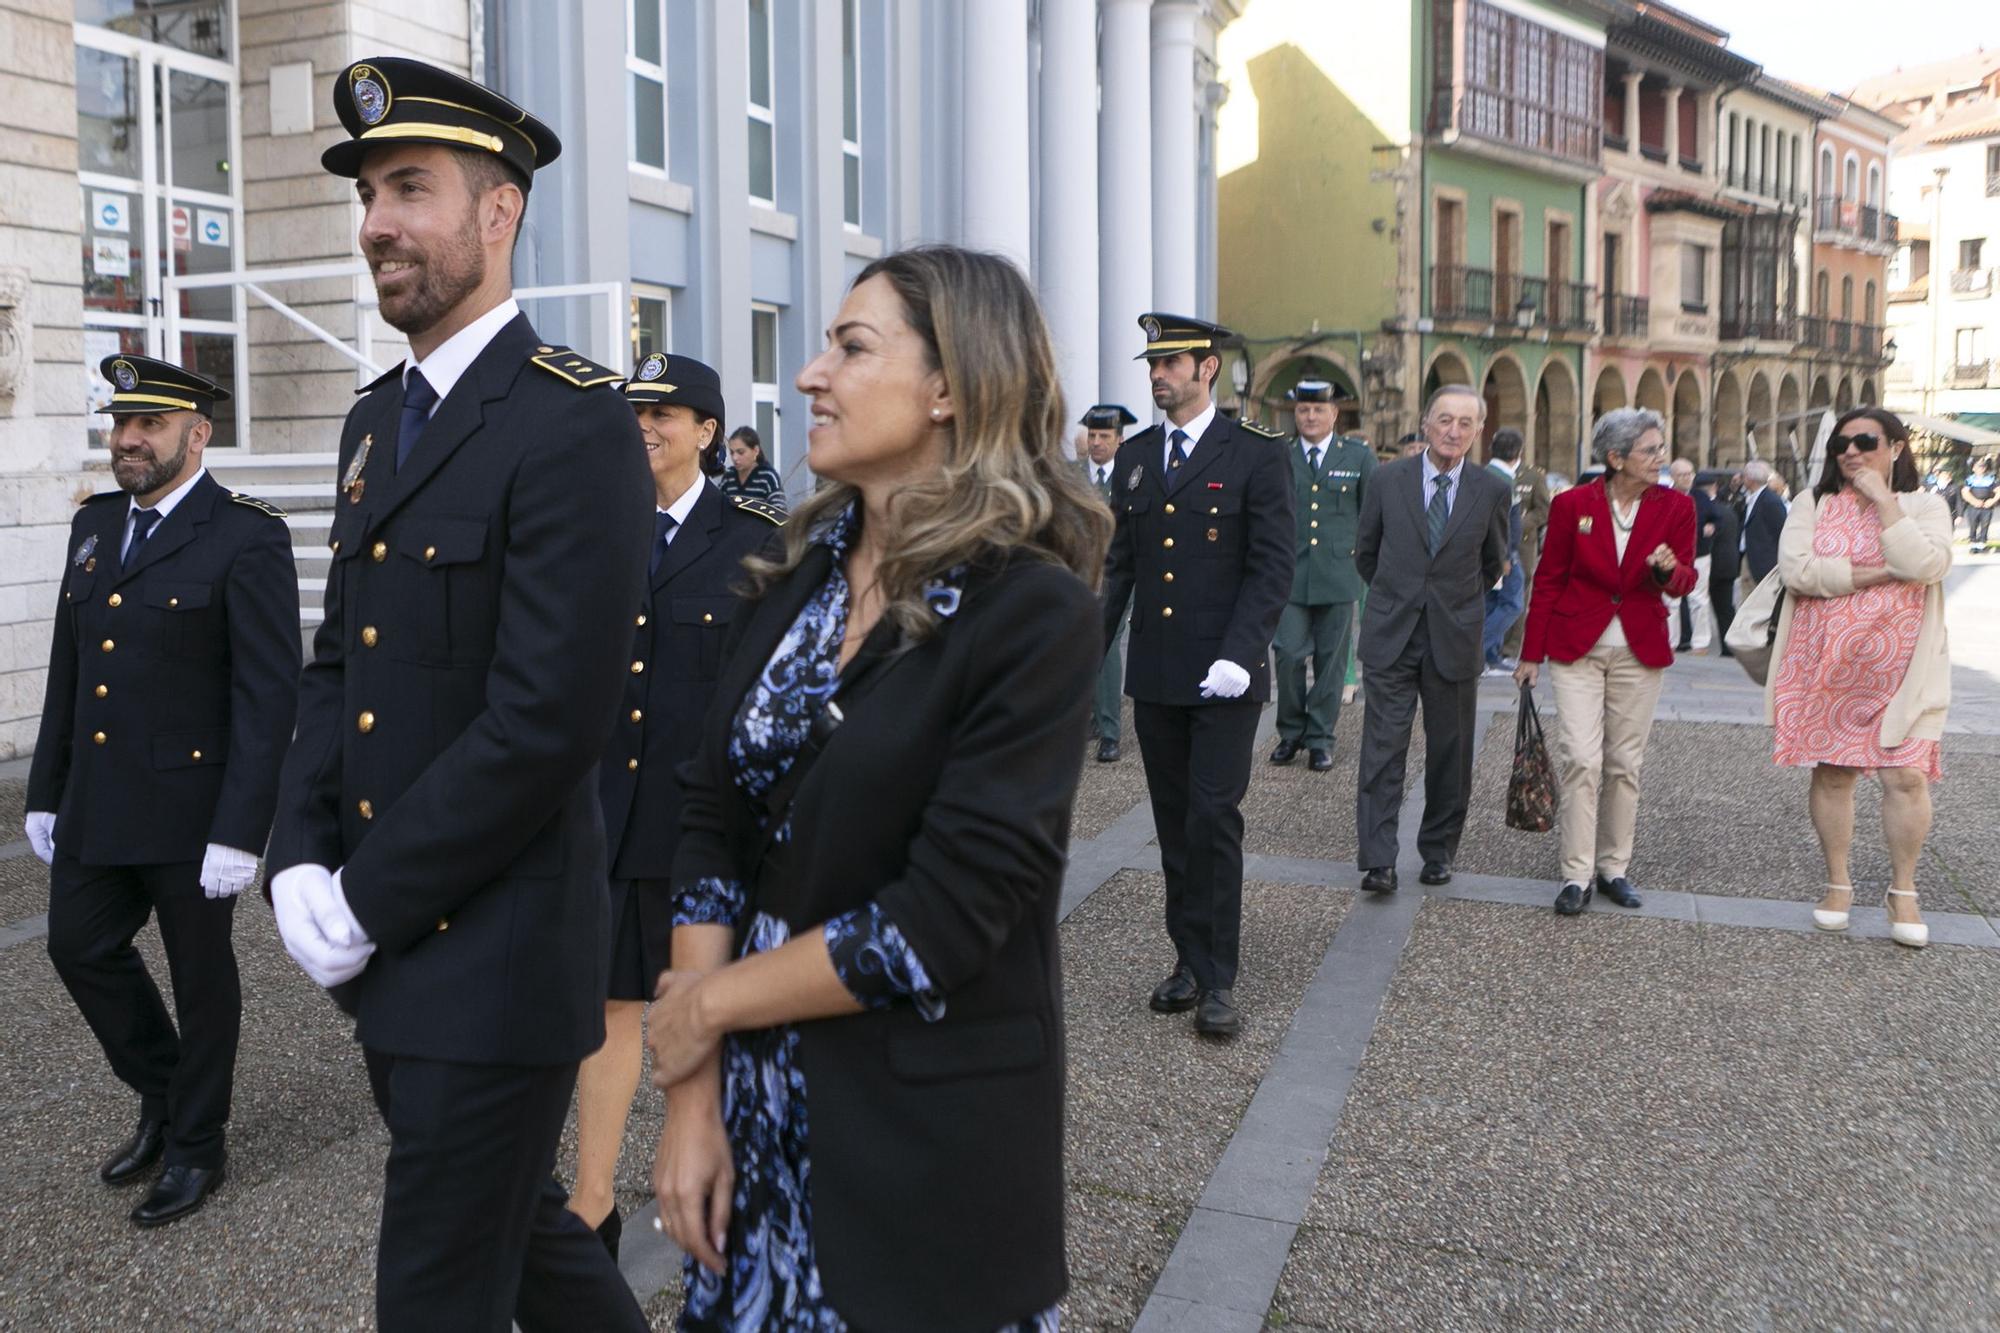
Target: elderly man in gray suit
[1433, 539]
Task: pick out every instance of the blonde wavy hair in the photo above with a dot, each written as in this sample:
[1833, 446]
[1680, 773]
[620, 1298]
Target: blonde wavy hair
[1006, 489]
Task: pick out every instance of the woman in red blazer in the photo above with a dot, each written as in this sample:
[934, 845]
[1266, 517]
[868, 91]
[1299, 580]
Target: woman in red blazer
[1612, 553]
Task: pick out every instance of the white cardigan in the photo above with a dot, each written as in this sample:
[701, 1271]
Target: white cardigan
[1917, 549]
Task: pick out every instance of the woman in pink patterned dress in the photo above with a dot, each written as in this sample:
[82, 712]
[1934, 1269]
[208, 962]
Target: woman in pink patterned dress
[1862, 679]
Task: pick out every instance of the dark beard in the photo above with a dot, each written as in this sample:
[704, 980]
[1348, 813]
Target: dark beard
[152, 476]
[447, 277]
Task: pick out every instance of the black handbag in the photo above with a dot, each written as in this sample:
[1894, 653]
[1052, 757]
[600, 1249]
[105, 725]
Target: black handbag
[1531, 789]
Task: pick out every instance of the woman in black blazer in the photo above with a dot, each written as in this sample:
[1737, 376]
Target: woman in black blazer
[700, 539]
[875, 827]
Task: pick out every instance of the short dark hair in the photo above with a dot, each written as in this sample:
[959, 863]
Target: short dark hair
[1902, 473]
[749, 436]
[1506, 444]
[489, 171]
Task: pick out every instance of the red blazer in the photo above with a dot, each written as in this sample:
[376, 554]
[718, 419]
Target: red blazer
[1581, 583]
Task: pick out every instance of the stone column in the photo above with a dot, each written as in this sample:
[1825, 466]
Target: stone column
[1709, 134]
[1067, 257]
[1176, 192]
[997, 215]
[1125, 201]
[1633, 78]
[1673, 141]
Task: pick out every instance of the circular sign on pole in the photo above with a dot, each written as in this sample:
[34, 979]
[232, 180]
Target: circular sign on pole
[180, 226]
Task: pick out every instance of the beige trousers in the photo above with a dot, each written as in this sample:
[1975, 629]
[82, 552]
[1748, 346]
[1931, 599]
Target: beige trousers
[1604, 711]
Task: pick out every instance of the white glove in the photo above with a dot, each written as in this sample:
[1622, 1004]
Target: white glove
[42, 835]
[1225, 680]
[307, 902]
[227, 871]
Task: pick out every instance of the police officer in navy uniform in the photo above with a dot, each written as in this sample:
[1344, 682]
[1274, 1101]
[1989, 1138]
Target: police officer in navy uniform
[173, 685]
[438, 856]
[1102, 426]
[1203, 555]
[1329, 473]
[700, 539]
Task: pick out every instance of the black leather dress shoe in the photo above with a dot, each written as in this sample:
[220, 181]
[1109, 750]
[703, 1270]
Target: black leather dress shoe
[1107, 751]
[1319, 761]
[1177, 994]
[1435, 872]
[1284, 752]
[1216, 1015]
[1618, 890]
[180, 1190]
[1572, 899]
[140, 1151]
[609, 1230]
[1382, 879]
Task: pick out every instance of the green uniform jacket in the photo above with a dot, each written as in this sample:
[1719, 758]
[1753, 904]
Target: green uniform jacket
[1328, 508]
[1531, 492]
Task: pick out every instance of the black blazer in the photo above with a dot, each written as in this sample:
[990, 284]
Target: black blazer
[944, 797]
[1405, 581]
[1725, 560]
[1206, 567]
[173, 685]
[679, 635]
[477, 637]
[1763, 522]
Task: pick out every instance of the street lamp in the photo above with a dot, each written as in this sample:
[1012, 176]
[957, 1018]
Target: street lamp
[1524, 312]
[1889, 350]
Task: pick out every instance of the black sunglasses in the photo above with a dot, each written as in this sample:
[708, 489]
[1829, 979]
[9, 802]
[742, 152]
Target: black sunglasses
[1866, 444]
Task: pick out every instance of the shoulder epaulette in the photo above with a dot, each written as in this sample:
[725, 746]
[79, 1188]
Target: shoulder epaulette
[1264, 431]
[261, 506]
[572, 369]
[371, 386]
[107, 495]
[762, 508]
[1136, 434]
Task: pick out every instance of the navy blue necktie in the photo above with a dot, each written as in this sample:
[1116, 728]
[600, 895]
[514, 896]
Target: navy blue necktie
[663, 528]
[142, 528]
[418, 400]
[1176, 455]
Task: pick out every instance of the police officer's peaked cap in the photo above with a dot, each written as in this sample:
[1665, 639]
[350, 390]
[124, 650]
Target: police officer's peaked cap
[391, 100]
[1168, 334]
[1108, 416]
[142, 384]
[666, 378]
[1310, 391]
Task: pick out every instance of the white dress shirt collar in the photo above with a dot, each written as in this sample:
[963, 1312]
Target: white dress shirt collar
[165, 504]
[450, 359]
[683, 506]
[1194, 430]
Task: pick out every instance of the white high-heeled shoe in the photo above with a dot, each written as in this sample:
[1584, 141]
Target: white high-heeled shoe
[1915, 935]
[1826, 920]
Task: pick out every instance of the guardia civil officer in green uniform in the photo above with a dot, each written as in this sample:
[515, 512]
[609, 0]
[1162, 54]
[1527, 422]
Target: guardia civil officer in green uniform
[1329, 473]
[1102, 425]
[173, 683]
[1203, 555]
[439, 857]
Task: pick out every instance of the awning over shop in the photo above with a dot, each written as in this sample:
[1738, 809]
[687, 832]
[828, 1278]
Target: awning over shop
[1964, 430]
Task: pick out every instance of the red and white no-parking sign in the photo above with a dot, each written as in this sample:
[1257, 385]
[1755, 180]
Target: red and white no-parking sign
[180, 226]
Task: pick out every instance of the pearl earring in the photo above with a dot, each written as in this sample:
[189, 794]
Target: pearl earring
[937, 414]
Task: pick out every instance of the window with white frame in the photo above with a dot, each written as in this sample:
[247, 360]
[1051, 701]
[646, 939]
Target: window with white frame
[1827, 184]
[652, 321]
[646, 84]
[763, 118]
[1970, 346]
[1694, 279]
[764, 381]
[850, 113]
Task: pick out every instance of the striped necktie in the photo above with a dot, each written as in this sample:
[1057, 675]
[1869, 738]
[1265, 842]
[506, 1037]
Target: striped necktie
[1439, 511]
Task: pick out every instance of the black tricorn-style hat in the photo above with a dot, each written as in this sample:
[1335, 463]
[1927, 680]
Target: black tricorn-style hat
[142, 384]
[1107, 416]
[1168, 334]
[1311, 391]
[390, 99]
[665, 378]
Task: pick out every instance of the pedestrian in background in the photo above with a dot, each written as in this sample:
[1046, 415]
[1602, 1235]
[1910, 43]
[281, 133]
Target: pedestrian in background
[1102, 426]
[1725, 557]
[1531, 497]
[1505, 600]
[172, 688]
[1617, 549]
[1981, 495]
[1861, 676]
[876, 820]
[1687, 617]
[748, 476]
[1329, 476]
[1763, 514]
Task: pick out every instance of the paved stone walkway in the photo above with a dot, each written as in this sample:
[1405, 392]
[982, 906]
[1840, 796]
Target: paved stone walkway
[1449, 1109]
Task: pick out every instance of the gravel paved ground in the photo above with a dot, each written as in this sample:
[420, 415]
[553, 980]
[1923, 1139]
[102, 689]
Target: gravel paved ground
[1652, 1124]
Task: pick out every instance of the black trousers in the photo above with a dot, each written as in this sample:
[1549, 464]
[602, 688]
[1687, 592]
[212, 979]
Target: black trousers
[1450, 711]
[1197, 768]
[182, 1077]
[1978, 523]
[1722, 599]
[474, 1232]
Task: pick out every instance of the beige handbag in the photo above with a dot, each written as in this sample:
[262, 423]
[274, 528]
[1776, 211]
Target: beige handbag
[1755, 628]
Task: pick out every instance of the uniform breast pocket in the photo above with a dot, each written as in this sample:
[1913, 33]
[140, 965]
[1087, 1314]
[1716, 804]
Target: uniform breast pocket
[1221, 522]
[447, 605]
[699, 624]
[190, 749]
[184, 620]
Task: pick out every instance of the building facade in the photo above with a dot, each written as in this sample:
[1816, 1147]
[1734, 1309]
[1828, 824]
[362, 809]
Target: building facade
[728, 166]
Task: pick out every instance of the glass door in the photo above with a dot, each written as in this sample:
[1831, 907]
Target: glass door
[157, 147]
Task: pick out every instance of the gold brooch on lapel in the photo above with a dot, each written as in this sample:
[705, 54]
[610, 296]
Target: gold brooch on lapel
[352, 483]
[1583, 525]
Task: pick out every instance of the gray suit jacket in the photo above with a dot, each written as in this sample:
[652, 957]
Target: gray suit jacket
[1406, 582]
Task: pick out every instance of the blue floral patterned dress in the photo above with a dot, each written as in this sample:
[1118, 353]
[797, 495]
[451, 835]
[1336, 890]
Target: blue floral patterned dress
[772, 1282]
